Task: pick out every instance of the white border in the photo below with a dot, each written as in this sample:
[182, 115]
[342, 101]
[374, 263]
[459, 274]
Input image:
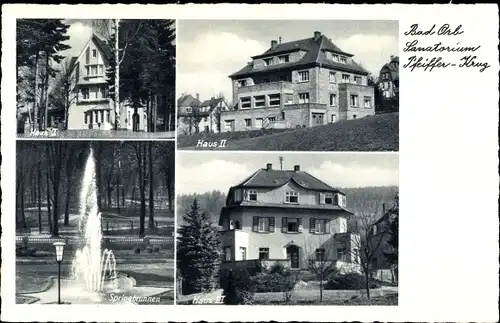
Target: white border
[448, 173]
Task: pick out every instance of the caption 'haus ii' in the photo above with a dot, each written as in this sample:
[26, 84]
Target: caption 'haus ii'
[303, 83]
[288, 217]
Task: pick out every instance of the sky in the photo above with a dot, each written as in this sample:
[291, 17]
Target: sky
[202, 172]
[209, 51]
[79, 32]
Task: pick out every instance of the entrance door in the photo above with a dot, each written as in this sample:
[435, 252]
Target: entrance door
[292, 253]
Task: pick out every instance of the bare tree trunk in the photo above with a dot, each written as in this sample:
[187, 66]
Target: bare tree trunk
[117, 76]
[169, 188]
[68, 187]
[47, 76]
[151, 192]
[39, 197]
[118, 193]
[98, 174]
[36, 112]
[49, 213]
[142, 187]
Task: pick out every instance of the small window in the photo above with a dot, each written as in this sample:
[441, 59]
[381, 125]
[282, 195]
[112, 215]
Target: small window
[283, 115]
[93, 70]
[354, 116]
[87, 70]
[292, 197]
[263, 224]
[328, 198]
[346, 78]
[85, 93]
[292, 225]
[101, 70]
[341, 254]
[268, 61]
[303, 97]
[248, 122]
[357, 79]
[368, 102]
[304, 76]
[320, 226]
[108, 113]
[334, 118]
[274, 100]
[227, 254]
[343, 60]
[284, 59]
[271, 119]
[242, 82]
[237, 225]
[189, 110]
[263, 253]
[94, 53]
[335, 58]
[246, 102]
[333, 100]
[332, 77]
[320, 254]
[354, 101]
[251, 195]
[243, 253]
[260, 101]
[85, 118]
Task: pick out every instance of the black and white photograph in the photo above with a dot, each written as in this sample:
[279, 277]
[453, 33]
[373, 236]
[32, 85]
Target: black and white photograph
[95, 78]
[287, 229]
[95, 222]
[290, 85]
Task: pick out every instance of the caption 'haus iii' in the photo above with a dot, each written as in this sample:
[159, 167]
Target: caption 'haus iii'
[302, 83]
[285, 216]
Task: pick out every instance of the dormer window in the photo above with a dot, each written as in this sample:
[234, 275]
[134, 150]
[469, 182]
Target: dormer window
[340, 200]
[328, 198]
[291, 197]
[343, 60]
[268, 61]
[242, 83]
[335, 58]
[284, 59]
[346, 78]
[250, 195]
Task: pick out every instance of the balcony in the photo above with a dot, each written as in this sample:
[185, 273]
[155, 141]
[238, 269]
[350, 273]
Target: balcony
[278, 87]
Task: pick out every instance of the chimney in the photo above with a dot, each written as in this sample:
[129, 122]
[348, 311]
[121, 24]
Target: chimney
[269, 166]
[296, 168]
[317, 35]
[198, 96]
[274, 44]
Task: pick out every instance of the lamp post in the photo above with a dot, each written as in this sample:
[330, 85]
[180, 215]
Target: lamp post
[59, 257]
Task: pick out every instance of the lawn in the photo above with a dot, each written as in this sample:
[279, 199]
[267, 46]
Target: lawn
[374, 133]
[190, 141]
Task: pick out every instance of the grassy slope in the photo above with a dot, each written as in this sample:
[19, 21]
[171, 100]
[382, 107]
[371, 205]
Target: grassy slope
[375, 133]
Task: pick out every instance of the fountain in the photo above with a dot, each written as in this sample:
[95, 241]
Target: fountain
[92, 266]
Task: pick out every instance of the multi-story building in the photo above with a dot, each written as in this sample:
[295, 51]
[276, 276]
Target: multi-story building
[388, 83]
[91, 108]
[206, 114]
[286, 216]
[302, 83]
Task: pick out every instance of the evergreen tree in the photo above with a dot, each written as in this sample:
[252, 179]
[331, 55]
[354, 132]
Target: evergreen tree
[198, 251]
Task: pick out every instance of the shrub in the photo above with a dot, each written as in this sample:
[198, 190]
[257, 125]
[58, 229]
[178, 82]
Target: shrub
[237, 286]
[350, 281]
[278, 268]
[137, 250]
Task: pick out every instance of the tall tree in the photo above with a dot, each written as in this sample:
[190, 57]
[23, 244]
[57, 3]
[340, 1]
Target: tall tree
[391, 254]
[63, 95]
[151, 188]
[198, 251]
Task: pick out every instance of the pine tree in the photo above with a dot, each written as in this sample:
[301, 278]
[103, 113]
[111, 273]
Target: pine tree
[198, 252]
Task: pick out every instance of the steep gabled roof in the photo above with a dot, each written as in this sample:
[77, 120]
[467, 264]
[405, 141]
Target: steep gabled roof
[271, 178]
[187, 101]
[101, 44]
[393, 70]
[315, 56]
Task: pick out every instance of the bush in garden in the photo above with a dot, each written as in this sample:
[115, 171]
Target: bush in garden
[350, 281]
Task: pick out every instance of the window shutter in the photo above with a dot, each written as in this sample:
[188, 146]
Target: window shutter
[299, 221]
[255, 223]
[327, 226]
[321, 198]
[312, 225]
[284, 225]
[271, 224]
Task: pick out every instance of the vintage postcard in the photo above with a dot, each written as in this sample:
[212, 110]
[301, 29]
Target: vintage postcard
[248, 162]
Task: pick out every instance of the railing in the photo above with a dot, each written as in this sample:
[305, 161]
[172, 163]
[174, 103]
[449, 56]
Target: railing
[74, 240]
